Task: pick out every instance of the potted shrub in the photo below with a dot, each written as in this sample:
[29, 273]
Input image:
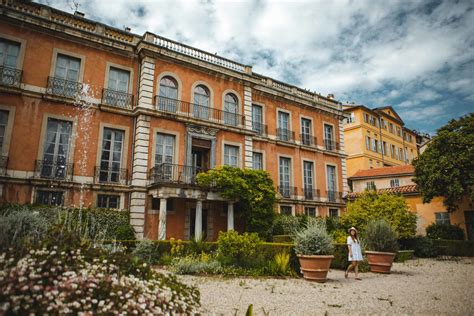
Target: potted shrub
[314, 248]
[381, 244]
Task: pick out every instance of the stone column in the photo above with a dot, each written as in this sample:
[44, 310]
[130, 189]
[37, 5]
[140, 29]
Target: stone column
[248, 148]
[198, 222]
[162, 220]
[345, 186]
[230, 216]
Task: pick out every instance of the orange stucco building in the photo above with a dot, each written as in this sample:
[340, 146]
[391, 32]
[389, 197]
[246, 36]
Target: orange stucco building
[96, 116]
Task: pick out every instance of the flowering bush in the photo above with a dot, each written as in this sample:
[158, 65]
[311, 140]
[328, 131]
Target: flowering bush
[52, 281]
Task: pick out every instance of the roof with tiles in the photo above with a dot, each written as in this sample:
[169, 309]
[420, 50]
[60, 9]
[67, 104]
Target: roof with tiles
[406, 189]
[384, 172]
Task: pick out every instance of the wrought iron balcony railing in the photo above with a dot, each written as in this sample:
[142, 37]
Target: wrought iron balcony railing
[110, 175]
[63, 88]
[173, 173]
[260, 129]
[308, 140]
[57, 170]
[331, 145]
[3, 165]
[334, 196]
[117, 98]
[311, 194]
[197, 111]
[287, 191]
[285, 135]
[10, 77]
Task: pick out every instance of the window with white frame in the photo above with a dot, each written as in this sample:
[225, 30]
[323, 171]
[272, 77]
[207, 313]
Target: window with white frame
[202, 101]
[231, 155]
[56, 149]
[257, 161]
[117, 88]
[306, 131]
[331, 182]
[329, 142]
[285, 176]
[368, 141]
[351, 119]
[333, 212]
[168, 94]
[3, 127]
[108, 201]
[53, 198]
[394, 183]
[257, 119]
[164, 156]
[370, 185]
[442, 218]
[310, 211]
[308, 179]
[231, 109]
[284, 132]
[286, 210]
[111, 156]
[9, 52]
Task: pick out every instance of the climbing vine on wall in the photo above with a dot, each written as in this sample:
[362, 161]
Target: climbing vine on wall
[254, 191]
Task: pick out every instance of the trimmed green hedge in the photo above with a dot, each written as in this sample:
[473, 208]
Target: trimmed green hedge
[281, 238]
[462, 248]
[404, 255]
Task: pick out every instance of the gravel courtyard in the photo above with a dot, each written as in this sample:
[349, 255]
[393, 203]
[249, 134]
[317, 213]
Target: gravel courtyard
[421, 286]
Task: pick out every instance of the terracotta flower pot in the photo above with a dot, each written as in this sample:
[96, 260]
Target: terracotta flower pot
[380, 262]
[315, 268]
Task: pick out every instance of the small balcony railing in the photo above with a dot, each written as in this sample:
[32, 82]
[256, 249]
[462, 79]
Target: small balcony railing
[311, 194]
[260, 129]
[286, 191]
[331, 145]
[3, 165]
[63, 88]
[285, 135]
[334, 196]
[198, 111]
[56, 170]
[117, 98]
[10, 77]
[173, 173]
[308, 140]
[110, 175]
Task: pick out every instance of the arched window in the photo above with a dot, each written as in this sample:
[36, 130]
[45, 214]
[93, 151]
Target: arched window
[201, 102]
[168, 94]
[230, 109]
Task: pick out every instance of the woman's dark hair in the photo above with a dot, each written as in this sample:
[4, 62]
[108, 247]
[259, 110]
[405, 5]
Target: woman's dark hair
[355, 237]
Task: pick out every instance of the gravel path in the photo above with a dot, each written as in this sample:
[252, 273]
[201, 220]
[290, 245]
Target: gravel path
[421, 286]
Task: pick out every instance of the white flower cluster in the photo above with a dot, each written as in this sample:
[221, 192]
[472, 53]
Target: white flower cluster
[48, 282]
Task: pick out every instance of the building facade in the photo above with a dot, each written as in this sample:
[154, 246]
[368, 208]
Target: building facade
[399, 180]
[377, 138]
[91, 115]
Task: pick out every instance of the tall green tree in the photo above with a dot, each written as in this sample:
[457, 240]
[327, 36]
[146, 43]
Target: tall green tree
[446, 168]
[254, 191]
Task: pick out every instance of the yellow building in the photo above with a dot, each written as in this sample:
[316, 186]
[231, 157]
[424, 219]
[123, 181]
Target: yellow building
[376, 138]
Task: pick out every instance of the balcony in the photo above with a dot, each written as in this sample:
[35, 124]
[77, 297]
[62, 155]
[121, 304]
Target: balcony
[308, 140]
[311, 194]
[334, 196]
[63, 88]
[117, 98]
[173, 173]
[10, 77]
[3, 165]
[285, 135]
[108, 175]
[55, 170]
[260, 129]
[331, 145]
[196, 111]
[287, 192]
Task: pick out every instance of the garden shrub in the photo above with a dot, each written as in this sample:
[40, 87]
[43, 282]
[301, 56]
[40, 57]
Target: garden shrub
[282, 238]
[372, 206]
[313, 240]
[424, 247]
[462, 248]
[196, 264]
[404, 255]
[280, 265]
[147, 251]
[444, 231]
[235, 248]
[379, 236]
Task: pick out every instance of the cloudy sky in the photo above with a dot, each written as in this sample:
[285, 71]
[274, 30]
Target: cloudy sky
[417, 56]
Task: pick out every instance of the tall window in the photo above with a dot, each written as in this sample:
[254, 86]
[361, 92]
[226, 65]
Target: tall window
[331, 182]
[230, 109]
[66, 76]
[368, 141]
[164, 154]
[285, 176]
[257, 119]
[390, 127]
[3, 127]
[306, 132]
[56, 148]
[117, 87]
[108, 201]
[201, 102]
[9, 52]
[329, 137]
[442, 218]
[392, 151]
[406, 154]
[375, 145]
[310, 211]
[257, 159]
[351, 119]
[168, 94]
[284, 132]
[394, 183]
[366, 117]
[111, 158]
[370, 185]
[53, 198]
[231, 155]
[308, 179]
[384, 148]
[400, 153]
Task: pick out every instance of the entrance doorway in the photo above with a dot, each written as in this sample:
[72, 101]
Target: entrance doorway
[192, 223]
[469, 219]
[200, 151]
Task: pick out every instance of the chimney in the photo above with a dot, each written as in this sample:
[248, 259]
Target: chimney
[330, 96]
[79, 14]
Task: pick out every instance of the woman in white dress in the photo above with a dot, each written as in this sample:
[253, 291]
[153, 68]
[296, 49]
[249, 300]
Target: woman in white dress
[355, 253]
